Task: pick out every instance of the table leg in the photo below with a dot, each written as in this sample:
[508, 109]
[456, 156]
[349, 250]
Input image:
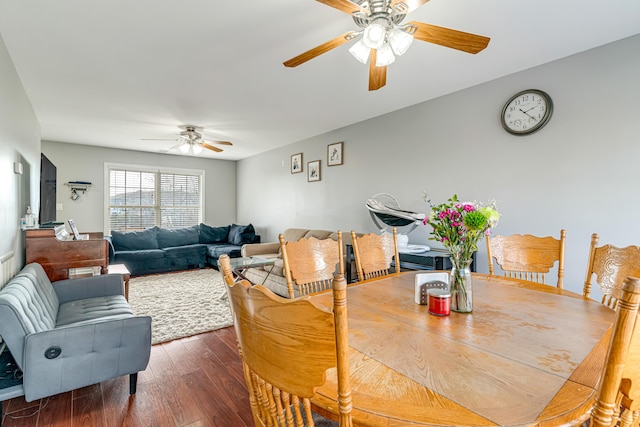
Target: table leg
[126, 278]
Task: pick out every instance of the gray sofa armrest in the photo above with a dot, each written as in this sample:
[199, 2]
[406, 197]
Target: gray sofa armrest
[89, 354]
[88, 287]
[255, 249]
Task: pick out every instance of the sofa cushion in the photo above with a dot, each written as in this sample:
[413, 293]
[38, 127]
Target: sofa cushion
[276, 268]
[197, 251]
[141, 255]
[319, 234]
[135, 240]
[214, 251]
[294, 234]
[210, 234]
[111, 307]
[170, 237]
[241, 234]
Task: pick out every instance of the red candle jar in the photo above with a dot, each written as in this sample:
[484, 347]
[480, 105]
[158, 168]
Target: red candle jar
[439, 302]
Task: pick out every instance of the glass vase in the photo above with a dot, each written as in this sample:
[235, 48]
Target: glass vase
[460, 286]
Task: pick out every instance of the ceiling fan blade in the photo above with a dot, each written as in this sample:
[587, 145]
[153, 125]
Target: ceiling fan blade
[319, 50]
[343, 5]
[377, 75]
[412, 4]
[154, 139]
[217, 142]
[211, 147]
[447, 37]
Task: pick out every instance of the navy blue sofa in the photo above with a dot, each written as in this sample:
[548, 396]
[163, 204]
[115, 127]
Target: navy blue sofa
[158, 250]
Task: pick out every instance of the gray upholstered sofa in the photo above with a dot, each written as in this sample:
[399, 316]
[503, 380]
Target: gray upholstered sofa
[272, 276]
[70, 333]
[159, 250]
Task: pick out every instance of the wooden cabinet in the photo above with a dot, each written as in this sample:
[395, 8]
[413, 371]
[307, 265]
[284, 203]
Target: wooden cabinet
[50, 248]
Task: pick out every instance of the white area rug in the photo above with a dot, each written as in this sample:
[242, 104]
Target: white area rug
[181, 304]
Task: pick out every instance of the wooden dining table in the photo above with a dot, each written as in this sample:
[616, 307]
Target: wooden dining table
[528, 355]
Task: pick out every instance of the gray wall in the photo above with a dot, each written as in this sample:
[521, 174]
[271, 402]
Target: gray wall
[579, 173]
[86, 163]
[19, 142]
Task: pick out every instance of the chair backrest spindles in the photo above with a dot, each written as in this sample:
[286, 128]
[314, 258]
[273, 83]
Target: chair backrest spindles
[309, 264]
[374, 254]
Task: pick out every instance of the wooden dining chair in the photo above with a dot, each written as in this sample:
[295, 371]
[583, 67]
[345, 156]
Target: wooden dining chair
[527, 257]
[611, 266]
[286, 347]
[224, 262]
[310, 263]
[618, 399]
[374, 254]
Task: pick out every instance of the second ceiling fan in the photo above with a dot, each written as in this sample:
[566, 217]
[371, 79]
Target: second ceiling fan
[384, 36]
[190, 140]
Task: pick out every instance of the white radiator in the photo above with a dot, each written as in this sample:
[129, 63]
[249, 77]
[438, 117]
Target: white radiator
[7, 267]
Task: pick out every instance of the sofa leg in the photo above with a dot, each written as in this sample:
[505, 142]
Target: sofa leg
[133, 382]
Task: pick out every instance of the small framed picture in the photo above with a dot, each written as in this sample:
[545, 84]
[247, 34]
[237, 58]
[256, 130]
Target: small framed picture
[313, 171]
[296, 163]
[334, 154]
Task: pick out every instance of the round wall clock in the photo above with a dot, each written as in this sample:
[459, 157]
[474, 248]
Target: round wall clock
[526, 112]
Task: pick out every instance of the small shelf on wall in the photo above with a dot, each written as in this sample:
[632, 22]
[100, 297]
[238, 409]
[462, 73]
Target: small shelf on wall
[76, 187]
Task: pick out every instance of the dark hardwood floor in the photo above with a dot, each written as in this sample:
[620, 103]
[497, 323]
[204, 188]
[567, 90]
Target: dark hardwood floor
[195, 382]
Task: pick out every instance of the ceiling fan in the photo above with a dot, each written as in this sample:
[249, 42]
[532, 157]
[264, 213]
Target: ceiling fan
[190, 140]
[384, 36]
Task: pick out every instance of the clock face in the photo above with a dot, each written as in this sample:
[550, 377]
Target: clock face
[526, 112]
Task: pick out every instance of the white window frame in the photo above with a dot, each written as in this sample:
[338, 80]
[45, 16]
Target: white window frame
[153, 169]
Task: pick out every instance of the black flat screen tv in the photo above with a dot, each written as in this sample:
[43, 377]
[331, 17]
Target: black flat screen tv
[48, 177]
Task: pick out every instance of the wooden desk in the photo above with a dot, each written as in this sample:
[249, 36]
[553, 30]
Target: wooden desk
[529, 354]
[57, 256]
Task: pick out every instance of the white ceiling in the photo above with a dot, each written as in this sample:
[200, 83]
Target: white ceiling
[110, 72]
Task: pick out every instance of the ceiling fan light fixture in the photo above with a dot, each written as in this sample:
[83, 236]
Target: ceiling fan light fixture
[197, 148]
[399, 41]
[184, 148]
[385, 56]
[360, 51]
[376, 33]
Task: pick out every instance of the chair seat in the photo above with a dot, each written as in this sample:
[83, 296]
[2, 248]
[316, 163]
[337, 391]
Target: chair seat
[320, 421]
[111, 307]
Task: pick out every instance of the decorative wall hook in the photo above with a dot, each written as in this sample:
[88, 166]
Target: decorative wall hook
[77, 187]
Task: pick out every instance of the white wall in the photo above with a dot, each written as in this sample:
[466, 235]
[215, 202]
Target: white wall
[579, 173]
[76, 162]
[19, 142]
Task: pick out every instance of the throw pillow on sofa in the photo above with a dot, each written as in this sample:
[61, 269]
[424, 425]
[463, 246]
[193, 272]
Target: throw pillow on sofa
[135, 240]
[241, 234]
[210, 234]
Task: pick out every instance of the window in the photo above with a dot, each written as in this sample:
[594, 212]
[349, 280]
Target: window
[141, 197]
